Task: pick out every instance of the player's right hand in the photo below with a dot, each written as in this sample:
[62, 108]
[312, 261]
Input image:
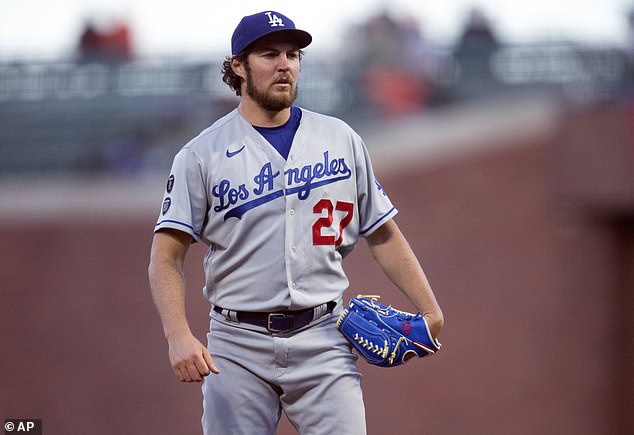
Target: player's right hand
[190, 359]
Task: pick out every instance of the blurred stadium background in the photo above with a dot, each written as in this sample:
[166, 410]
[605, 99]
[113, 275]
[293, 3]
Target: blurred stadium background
[512, 164]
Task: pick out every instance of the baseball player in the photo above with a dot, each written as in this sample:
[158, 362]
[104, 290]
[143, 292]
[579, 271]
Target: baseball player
[280, 195]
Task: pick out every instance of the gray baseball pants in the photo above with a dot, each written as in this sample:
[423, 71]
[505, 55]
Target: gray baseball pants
[310, 374]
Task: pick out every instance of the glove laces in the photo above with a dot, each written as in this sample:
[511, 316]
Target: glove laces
[372, 347]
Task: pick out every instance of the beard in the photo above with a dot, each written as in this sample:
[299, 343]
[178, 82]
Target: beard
[268, 101]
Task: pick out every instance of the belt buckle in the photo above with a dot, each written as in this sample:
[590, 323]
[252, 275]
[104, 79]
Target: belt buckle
[269, 321]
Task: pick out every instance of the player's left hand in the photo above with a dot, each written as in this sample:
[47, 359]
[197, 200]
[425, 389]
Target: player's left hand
[383, 335]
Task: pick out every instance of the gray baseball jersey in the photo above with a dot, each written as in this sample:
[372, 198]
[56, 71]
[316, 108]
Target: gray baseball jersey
[277, 229]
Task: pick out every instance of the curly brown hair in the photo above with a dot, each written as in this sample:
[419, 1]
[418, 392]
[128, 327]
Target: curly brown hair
[229, 76]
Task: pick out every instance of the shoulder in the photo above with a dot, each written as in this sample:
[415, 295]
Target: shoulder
[217, 135]
[326, 121]
[332, 130]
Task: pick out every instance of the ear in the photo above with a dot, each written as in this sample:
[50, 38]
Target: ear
[238, 68]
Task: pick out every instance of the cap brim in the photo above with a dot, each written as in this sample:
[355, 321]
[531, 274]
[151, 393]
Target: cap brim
[301, 37]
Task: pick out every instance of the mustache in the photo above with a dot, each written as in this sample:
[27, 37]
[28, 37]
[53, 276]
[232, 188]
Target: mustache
[283, 78]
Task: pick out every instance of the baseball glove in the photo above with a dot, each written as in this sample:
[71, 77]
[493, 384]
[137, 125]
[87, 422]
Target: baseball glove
[385, 336]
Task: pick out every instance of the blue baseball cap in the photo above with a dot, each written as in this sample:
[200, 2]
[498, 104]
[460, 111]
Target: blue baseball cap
[253, 27]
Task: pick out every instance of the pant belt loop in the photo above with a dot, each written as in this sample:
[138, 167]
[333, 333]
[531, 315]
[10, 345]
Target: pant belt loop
[319, 311]
[229, 314]
[233, 315]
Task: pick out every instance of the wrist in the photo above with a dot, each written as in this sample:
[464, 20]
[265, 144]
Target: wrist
[175, 332]
[434, 323]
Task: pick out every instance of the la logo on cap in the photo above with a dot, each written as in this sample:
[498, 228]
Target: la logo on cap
[253, 27]
[274, 20]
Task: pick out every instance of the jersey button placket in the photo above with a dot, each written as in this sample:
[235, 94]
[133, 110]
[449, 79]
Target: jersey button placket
[291, 248]
[291, 213]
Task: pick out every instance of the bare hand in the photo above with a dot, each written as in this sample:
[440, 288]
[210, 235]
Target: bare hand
[190, 359]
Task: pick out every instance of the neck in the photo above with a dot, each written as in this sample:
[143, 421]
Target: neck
[259, 117]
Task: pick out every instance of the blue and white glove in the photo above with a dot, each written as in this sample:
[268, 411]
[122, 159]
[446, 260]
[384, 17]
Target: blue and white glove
[385, 336]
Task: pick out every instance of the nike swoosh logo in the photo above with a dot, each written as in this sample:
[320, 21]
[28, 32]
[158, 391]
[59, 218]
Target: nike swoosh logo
[231, 154]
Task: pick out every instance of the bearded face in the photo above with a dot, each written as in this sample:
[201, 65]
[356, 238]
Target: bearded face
[275, 95]
[269, 72]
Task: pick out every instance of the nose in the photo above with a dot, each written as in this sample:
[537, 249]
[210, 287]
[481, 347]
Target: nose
[283, 63]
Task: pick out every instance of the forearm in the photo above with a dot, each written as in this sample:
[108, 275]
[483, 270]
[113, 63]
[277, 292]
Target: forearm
[396, 258]
[190, 359]
[167, 284]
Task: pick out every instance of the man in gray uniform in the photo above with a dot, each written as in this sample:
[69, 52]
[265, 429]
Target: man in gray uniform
[280, 195]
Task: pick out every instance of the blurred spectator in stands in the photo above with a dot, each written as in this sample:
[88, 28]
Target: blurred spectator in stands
[388, 68]
[416, 53]
[117, 45]
[112, 44]
[89, 43]
[380, 41]
[630, 31]
[629, 53]
[474, 53]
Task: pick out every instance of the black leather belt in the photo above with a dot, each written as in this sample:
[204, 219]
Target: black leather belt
[281, 321]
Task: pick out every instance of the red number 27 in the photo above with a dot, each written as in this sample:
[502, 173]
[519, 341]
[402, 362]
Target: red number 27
[326, 221]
